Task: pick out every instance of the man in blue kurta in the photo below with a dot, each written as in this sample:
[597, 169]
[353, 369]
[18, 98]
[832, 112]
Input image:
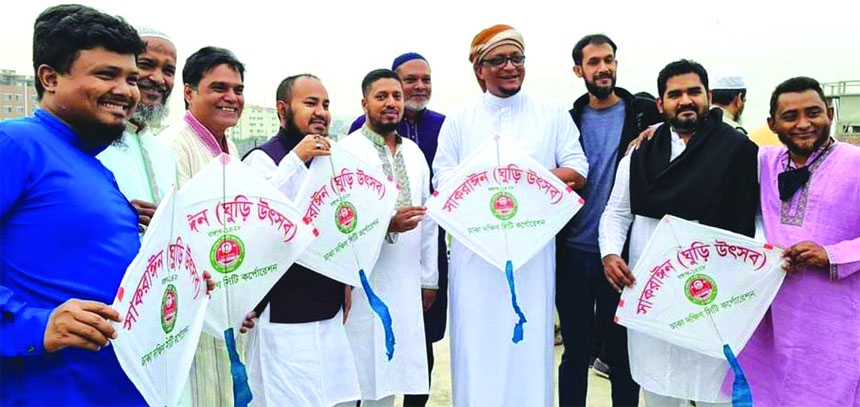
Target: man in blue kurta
[67, 233]
[422, 126]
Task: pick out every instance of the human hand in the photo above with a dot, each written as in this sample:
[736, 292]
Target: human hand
[145, 212]
[80, 324]
[248, 323]
[347, 302]
[806, 253]
[311, 146]
[406, 219]
[617, 272]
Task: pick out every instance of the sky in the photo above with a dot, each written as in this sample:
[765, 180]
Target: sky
[340, 41]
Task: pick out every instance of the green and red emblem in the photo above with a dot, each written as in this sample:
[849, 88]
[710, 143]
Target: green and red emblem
[169, 308]
[345, 217]
[503, 205]
[700, 289]
[227, 254]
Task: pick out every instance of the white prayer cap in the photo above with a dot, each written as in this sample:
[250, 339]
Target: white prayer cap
[143, 31]
[729, 82]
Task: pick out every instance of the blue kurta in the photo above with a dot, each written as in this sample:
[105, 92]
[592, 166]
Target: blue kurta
[66, 231]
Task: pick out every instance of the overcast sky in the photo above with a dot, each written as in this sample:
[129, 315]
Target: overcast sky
[340, 41]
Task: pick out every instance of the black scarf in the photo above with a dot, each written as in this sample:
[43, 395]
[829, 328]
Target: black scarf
[714, 181]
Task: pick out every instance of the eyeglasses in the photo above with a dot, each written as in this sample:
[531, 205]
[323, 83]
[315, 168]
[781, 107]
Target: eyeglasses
[501, 60]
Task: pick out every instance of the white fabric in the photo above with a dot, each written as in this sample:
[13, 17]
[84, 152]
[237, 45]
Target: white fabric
[656, 400]
[129, 167]
[677, 372]
[488, 369]
[396, 279]
[728, 82]
[307, 364]
[190, 153]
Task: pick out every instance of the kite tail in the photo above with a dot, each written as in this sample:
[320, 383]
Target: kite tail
[518, 329]
[380, 309]
[741, 393]
[241, 391]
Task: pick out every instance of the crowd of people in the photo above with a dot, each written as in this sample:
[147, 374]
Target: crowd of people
[82, 178]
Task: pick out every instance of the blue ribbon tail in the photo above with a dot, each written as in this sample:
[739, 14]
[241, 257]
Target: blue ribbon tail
[518, 328]
[241, 391]
[380, 309]
[741, 392]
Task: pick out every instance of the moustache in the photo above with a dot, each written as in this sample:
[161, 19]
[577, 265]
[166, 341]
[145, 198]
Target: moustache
[147, 84]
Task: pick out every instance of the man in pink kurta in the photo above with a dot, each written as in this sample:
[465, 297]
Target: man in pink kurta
[806, 350]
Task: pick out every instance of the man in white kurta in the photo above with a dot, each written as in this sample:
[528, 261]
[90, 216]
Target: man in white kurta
[301, 358]
[488, 369]
[408, 258]
[213, 94]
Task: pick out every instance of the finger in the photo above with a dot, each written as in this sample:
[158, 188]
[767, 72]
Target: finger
[145, 220]
[612, 282]
[75, 341]
[412, 211]
[87, 333]
[99, 308]
[143, 204]
[96, 321]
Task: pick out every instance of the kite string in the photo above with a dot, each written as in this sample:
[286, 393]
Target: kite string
[509, 271]
[741, 392]
[379, 307]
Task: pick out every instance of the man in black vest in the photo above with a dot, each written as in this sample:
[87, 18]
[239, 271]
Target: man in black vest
[694, 167]
[608, 118]
[299, 348]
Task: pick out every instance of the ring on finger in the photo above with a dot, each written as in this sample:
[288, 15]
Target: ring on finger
[319, 145]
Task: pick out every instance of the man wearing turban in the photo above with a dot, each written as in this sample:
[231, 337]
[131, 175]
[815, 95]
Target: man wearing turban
[487, 368]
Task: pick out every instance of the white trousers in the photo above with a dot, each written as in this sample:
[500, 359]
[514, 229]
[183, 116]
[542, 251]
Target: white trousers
[656, 400]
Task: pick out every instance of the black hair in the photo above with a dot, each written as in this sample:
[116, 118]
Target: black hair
[374, 76]
[205, 60]
[645, 95]
[596, 39]
[795, 85]
[725, 97]
[681, 67]
[61, 32]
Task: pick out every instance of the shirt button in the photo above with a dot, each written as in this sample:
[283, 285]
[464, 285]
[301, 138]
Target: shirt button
[31, 349]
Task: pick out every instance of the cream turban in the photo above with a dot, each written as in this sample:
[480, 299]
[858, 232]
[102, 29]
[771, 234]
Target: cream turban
[491, 38]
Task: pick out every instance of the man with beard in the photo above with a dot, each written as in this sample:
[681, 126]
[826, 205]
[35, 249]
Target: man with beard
[806, 350]
[729, 94]
[145, 168]
[487, 368]
[214, 98]
[299, 353]
[408, 257]
[696, 168]
[608, 118]
[67, 234]
[422, 126]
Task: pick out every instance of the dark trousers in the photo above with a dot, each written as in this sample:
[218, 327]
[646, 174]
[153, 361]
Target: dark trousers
[579, 284]
[420, 400]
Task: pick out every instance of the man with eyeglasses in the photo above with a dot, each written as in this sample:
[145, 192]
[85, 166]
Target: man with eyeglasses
[487, 368]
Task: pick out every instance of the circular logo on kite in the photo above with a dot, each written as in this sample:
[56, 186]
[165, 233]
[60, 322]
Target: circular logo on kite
[169, 307]
[227, 254]
[345, 217]
[700, 289]
[503, 205]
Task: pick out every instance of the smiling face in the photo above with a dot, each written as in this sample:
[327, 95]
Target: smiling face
[802, 121]
[384, 105]
[96, 97]
[218, 100]
[157, 67]
[507, 79]
[307, 111]
[685, 102]
[598, 69]
[415, 75]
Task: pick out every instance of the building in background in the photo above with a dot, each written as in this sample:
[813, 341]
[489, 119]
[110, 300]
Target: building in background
[844, 96]
[17, 95]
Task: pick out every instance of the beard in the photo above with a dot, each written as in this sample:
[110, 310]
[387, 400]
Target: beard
[96, 134]
[687, 125]
[415, 106]
[510, 92]
[600, 92]
[805, 149]
[293, 128]
[382, 128]
[149, 115]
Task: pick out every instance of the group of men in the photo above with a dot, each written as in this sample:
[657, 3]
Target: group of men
[103, 89]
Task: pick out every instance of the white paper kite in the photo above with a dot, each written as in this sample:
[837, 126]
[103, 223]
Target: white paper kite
[251, 234]
[162, 299]
[701, 288]
[350, 203]
[504, 206]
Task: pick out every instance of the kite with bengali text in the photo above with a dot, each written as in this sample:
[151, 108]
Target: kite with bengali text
[249, 234]
[162, 300]
[505, 207]
[350, 202]
[704, 289]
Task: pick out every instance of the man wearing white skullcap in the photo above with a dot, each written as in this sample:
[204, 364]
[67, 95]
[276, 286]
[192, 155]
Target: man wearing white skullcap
[729, 94]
